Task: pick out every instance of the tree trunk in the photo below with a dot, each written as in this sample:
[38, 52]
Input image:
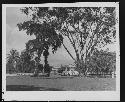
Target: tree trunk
[46, 66]
[45, 60]
[81, 65]
[36, 73]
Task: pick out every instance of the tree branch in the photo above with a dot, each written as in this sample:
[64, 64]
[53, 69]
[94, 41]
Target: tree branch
[72, 42]
[69, 52]
[96, 32]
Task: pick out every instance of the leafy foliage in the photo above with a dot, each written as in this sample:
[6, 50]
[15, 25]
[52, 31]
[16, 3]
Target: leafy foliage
[19, 63]
[12, 59]
[26, 63]
[85, 27]
[45, 33]
[102, 61]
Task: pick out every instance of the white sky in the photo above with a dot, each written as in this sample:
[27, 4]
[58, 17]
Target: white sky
[17, 39]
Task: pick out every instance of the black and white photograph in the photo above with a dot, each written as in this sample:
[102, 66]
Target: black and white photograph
[63, 51]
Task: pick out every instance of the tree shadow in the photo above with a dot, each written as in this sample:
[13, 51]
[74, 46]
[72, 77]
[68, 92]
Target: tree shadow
[29, 88]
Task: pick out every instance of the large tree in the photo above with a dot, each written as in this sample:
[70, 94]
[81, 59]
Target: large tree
[86, 27]
[45, 37]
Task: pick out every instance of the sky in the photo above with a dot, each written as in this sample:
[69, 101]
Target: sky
[16, 39]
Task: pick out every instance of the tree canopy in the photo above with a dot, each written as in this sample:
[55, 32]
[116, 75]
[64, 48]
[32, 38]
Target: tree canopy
[86, 28]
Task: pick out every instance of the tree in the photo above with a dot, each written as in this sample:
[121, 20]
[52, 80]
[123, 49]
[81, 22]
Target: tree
[102, 62]
[86, 27]
[26, 64]
[12, 59]
[46, 37]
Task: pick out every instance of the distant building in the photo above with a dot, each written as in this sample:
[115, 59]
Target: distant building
[70, 67]
[55, 69]
[67, 68]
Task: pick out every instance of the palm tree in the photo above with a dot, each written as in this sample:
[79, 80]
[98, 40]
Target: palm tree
[12, 59]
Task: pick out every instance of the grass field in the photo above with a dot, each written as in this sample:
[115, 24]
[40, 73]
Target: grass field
[58, 83]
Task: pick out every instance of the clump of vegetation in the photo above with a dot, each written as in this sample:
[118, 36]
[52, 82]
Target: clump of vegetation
[101, 63]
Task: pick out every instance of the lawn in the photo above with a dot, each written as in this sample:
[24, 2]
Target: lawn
[58, 83]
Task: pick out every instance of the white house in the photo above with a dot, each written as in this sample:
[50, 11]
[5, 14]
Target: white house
[55, 69]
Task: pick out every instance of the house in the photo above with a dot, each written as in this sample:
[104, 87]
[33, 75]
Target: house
[55, 69]
[71, 67]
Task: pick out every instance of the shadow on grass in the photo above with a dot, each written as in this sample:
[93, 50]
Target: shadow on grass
[29, 88]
